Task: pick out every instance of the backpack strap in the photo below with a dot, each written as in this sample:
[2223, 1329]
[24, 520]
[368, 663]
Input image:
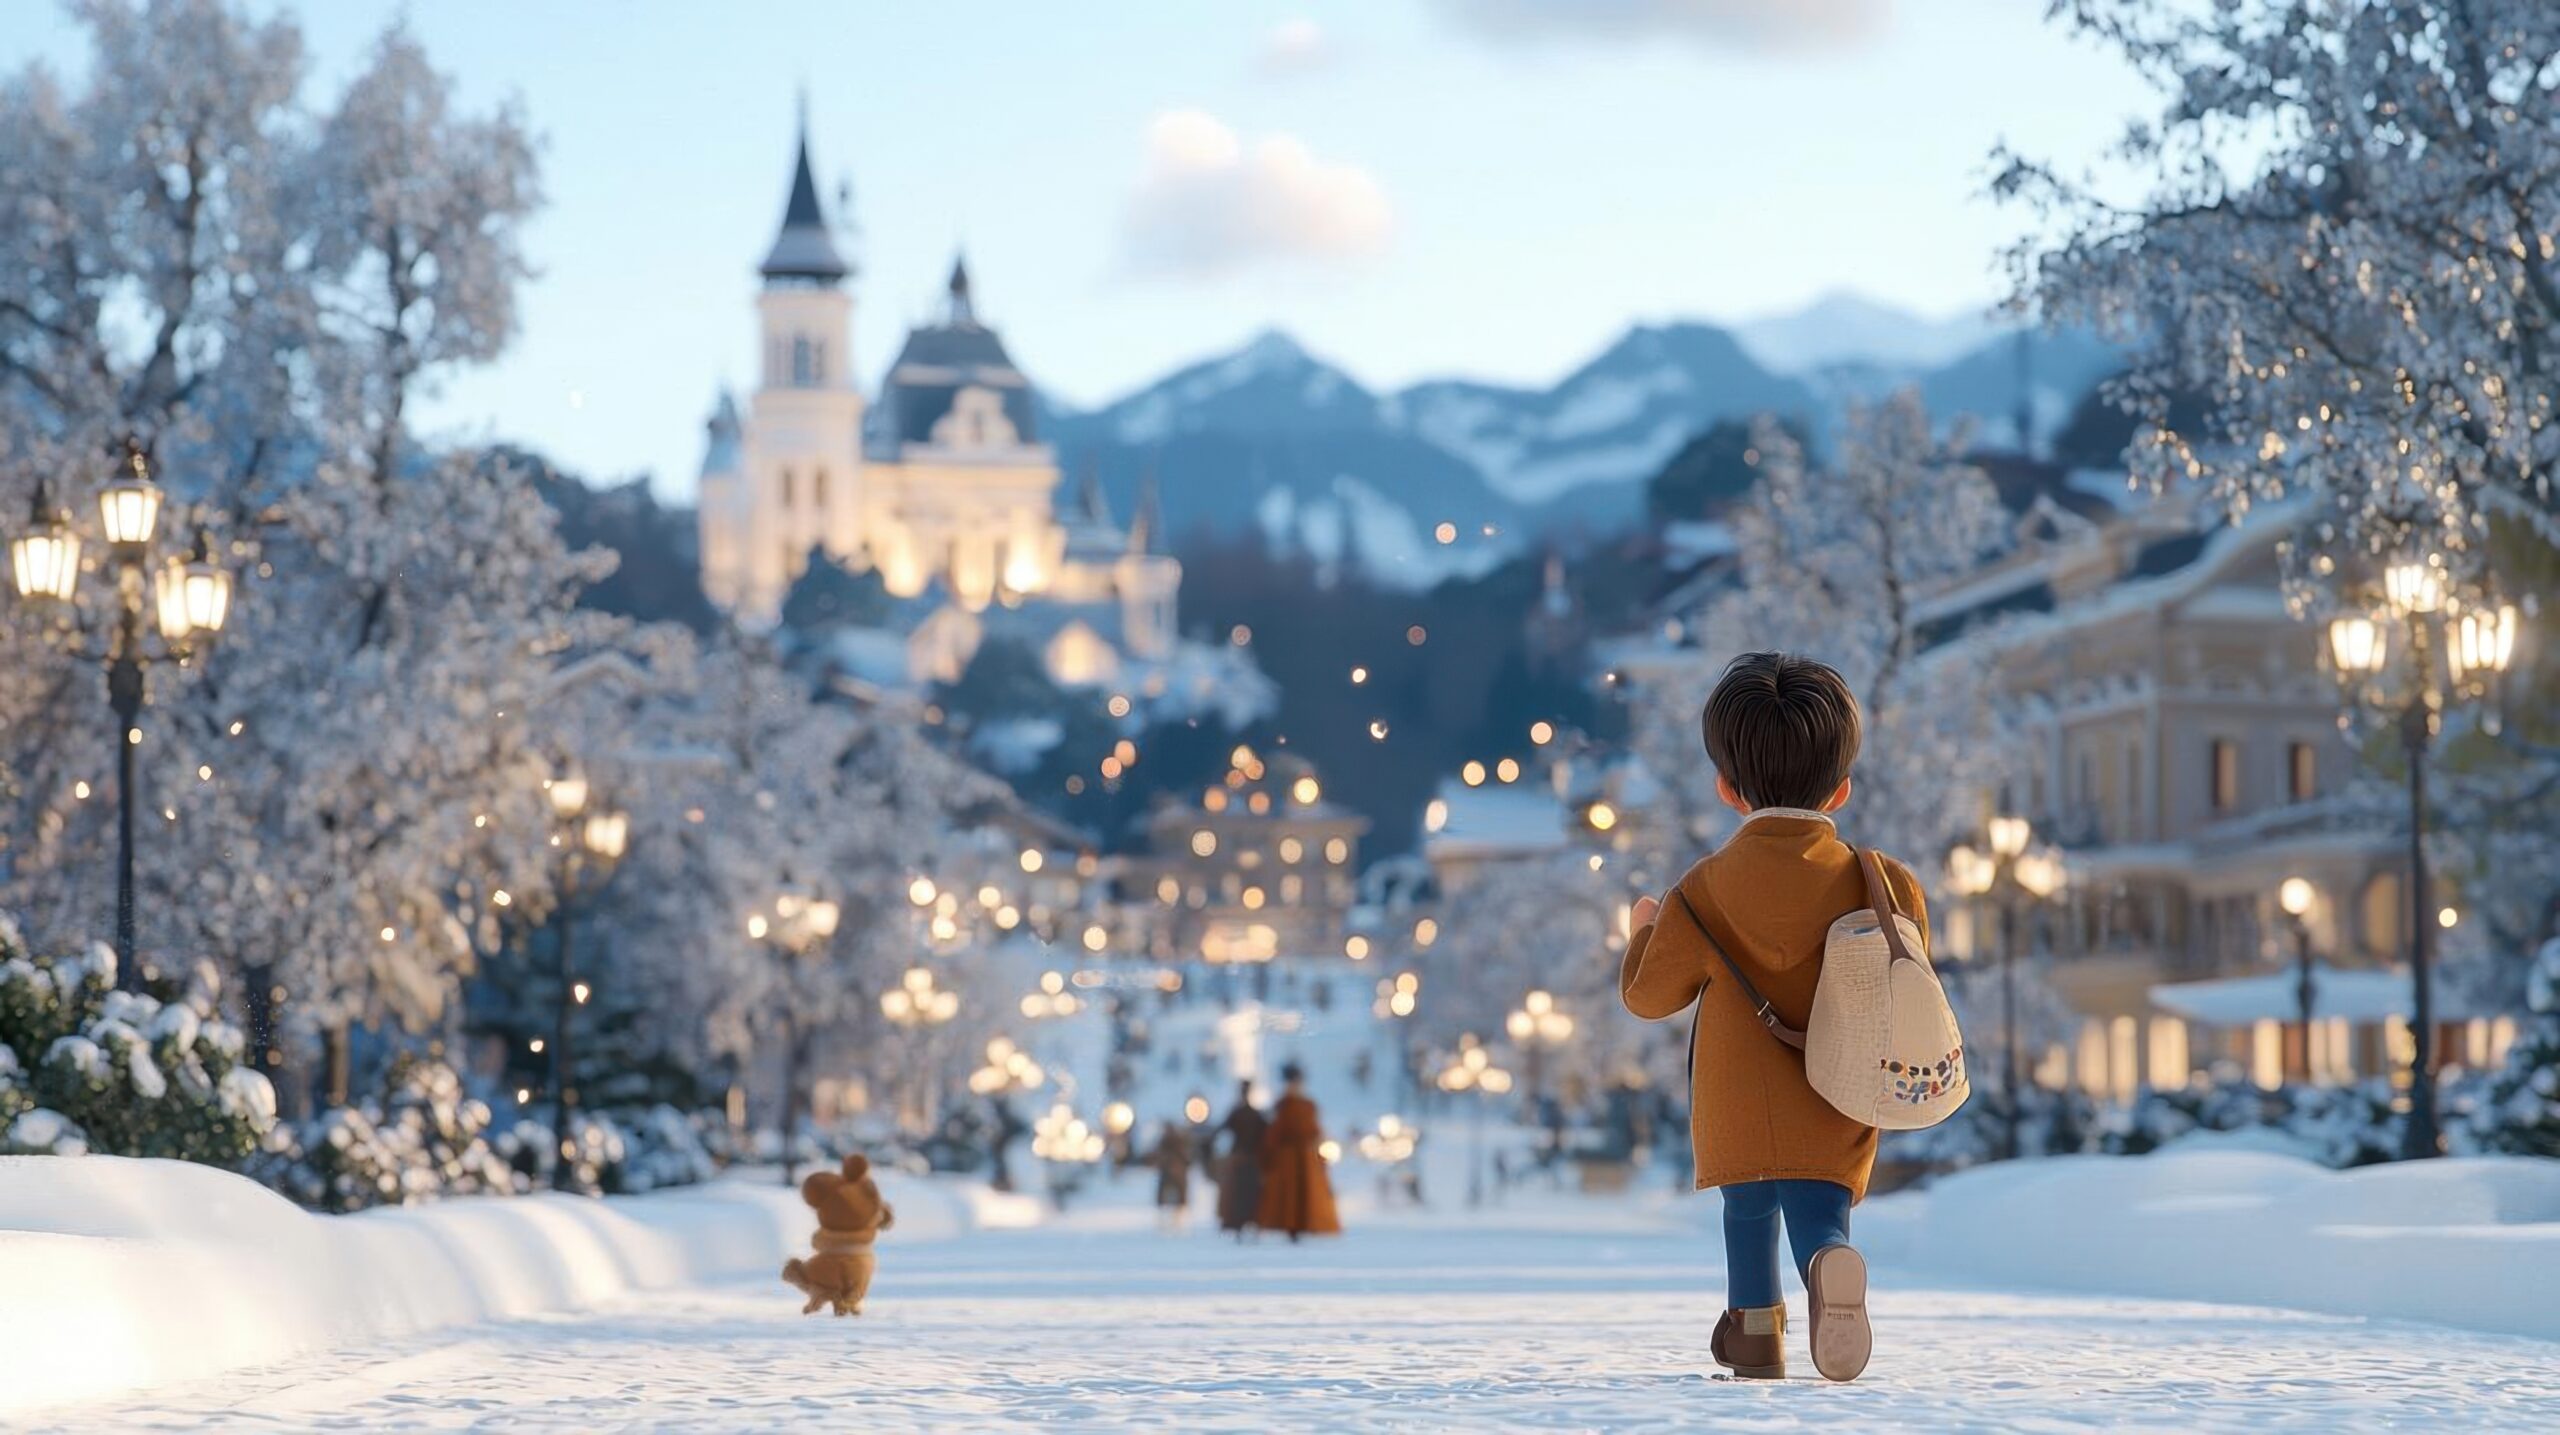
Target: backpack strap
[1760, 1007]
[1880, 898]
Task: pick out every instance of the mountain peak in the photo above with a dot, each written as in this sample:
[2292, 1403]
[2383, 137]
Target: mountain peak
[1842, 326]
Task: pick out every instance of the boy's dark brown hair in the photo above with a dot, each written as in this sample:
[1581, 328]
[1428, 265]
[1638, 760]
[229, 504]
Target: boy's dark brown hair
[1782, 729]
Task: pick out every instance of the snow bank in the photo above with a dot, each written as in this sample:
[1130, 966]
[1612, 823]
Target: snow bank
[2471, 1242]
[125, 1273]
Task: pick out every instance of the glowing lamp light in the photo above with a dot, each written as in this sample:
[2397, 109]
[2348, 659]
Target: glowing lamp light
[2009, 836]
[1602, 817]
[568, 796]
[129, 507]
[921, 891]
[1117, 1118]
[169, 598]
[2358, 645]
[2041, 875]
[45, 560]
[2417, 586]
[1305, 790]
[822, 918]
[757, 926]
[208, 589]
[607, 833]
[2295, 896]
[2481, 641]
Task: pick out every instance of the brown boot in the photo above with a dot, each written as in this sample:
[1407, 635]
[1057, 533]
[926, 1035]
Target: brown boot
[1837, 1282]
[1752, 1342]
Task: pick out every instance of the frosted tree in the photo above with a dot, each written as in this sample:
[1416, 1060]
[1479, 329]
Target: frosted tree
[2346, 248]
[2521, 1109]
[2341, 236]
[1833, 563]
[1551, 924]
[364, 741]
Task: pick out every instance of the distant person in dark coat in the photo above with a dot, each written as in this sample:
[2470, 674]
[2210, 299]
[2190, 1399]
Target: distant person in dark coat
[1239, 1166]
[1172, 1160]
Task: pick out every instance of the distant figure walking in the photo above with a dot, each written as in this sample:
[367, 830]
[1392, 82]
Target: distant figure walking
[1172, 1160]
[1297, 1195]
[1238, 1169]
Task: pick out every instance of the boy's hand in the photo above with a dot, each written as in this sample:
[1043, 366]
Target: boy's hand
[1642, 914]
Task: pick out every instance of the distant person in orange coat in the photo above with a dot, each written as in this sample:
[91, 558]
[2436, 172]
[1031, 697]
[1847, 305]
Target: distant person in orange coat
[1297, 1196]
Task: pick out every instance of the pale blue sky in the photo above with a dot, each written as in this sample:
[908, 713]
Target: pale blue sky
[1482, 188]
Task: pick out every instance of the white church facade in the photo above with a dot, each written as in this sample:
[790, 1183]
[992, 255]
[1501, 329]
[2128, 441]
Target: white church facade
[944, 488]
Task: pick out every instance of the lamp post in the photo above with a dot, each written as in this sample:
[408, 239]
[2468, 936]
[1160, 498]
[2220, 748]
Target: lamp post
[2295, 895]
[916, 1006]
[800, 925]
[2447, 650]
[586, 839]
[1008, 1069]
[1536, 1027]
[2009, 869]
[1471, 1068]
[190, 597]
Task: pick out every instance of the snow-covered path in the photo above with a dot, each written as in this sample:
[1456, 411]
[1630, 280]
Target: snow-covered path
[1402, 1325]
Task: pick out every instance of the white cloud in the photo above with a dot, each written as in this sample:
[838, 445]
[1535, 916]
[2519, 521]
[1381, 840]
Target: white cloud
[1720, 24]
[1296, 47]
[1210, 202]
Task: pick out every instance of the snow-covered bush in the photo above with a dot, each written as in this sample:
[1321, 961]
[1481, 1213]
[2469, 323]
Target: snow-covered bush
[85, 1067]
[599, 1151]
[427, 1138]
[2340, 1126]
[2050, 1123]
[2519, 1111]
[665, 1147]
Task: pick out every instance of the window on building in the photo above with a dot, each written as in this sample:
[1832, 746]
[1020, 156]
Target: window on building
[2302, 771]
[786, 488]
[818, 490]
[818, 362]
[2225, 774]
[802, 364]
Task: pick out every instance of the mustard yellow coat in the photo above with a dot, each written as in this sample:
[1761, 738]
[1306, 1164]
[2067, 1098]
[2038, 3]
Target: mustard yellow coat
[1769, 895]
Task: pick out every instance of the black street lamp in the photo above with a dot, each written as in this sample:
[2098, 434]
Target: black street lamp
[2012, 872]
[190, 598]
[2447, 650]
[587, 839]
[2295, 896]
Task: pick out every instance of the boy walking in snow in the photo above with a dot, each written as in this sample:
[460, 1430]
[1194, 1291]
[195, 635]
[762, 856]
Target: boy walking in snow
[1783, 732]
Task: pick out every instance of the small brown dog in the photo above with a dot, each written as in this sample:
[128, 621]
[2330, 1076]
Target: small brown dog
[851, 1216]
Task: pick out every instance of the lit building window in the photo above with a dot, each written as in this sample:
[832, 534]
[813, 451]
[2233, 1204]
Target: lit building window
[1337, 851]
[1292, 850]
[1204, 843]
[2302, 771]
[2225, 774]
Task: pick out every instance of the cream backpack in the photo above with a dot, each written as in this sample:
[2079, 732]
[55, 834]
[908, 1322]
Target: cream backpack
[1882, 1043]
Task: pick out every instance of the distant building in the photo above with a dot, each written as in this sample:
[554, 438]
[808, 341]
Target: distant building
[2183, 749]
[1262, 866]
[945, 489]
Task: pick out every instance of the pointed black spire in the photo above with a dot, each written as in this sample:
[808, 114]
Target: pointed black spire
[805, 250]
[964, 313]
[1148, 515]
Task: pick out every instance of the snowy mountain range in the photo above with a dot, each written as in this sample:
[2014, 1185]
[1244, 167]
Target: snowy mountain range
[1273, 439]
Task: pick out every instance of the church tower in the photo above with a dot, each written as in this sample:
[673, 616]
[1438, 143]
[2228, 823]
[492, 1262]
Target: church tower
[793, 482]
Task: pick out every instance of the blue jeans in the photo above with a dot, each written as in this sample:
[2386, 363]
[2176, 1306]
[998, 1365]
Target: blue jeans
[1817, 1215]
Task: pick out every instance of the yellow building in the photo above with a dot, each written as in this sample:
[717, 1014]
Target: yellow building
[945, 489]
